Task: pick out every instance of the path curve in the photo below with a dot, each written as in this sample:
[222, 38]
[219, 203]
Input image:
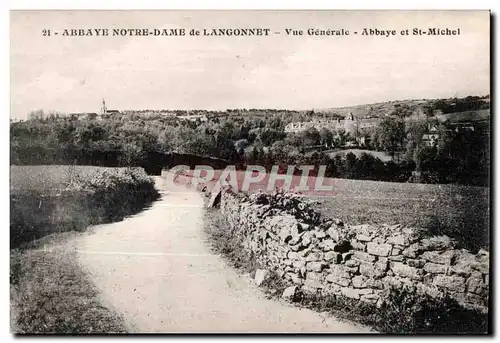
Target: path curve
[156, 270]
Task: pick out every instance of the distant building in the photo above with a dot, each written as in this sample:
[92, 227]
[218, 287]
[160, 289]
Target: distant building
[105, 111]
[467, 121]
[350, 124]
[83, 116]
[194, 117]
[431, 137]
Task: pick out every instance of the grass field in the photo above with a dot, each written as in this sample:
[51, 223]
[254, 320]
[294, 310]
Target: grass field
[65, 303]
[48, 179]
[461, 212]
[51, 199]
[381, 155]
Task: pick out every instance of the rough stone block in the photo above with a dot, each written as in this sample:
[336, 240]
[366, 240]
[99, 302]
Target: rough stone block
[383, 249]
[436, 257]
[314, 256]
[370, 298]
[352, 263]
[404, 270]
[412, 251]
[453, 283]
[435, 268]
[260, 276]
[363, 238]
[437, 243]
[372, 270]
[303, 227]
[319, 234]
[296, 239]
[399, 258]
[430, 290]
[306, 241]
[314, 276]
[357, 245]
[482, 267]
[295, 278]
[312, 284]
[333, 257]
[363, 256]
[331, 288]
[340, 270]
[359, 281]
[314, 266]
[215, 196]
[289, 293]
[336, 279]
[399, 239]
[328, 244]
[350, 292]
[365, 291]
[334, 233]
[476, 285]
[415, 263]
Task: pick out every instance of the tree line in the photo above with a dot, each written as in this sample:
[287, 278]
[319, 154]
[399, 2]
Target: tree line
[143, 140]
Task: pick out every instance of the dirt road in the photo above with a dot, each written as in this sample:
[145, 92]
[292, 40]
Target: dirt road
[156, 270]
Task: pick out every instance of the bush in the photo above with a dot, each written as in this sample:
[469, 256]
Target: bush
[405, 310]
[103, 196]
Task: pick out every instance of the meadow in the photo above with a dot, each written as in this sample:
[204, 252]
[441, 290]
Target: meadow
[53, 199]
[49, 179]
[461, 212]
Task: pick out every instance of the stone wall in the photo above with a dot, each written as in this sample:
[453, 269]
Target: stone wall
[321, 255]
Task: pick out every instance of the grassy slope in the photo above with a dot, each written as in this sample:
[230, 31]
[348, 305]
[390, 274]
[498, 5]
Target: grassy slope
[459, 211]
[462, 212]
[47, 178]
[51, 294]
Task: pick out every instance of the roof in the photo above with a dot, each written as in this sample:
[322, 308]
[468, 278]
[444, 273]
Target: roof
[112, 111]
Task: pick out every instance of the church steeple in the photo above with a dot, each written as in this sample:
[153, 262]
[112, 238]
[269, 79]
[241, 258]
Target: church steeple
[103, 109]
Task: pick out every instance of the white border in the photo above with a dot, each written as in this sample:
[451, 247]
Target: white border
[198, 4]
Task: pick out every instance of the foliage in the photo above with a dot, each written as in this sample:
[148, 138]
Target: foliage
[404, 311]
[97, 196]
[391, 135]
[147, 139]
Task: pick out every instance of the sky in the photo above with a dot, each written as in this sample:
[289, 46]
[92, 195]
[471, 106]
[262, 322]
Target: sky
[74, 74]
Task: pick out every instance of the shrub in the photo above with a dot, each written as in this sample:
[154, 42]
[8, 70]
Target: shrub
[103, 196]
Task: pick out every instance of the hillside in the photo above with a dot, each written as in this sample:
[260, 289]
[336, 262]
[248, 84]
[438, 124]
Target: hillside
[381, 109]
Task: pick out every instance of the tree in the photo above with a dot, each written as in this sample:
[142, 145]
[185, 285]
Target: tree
[310, 137]
[391, 135]
[326, 137]
[415, 129]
